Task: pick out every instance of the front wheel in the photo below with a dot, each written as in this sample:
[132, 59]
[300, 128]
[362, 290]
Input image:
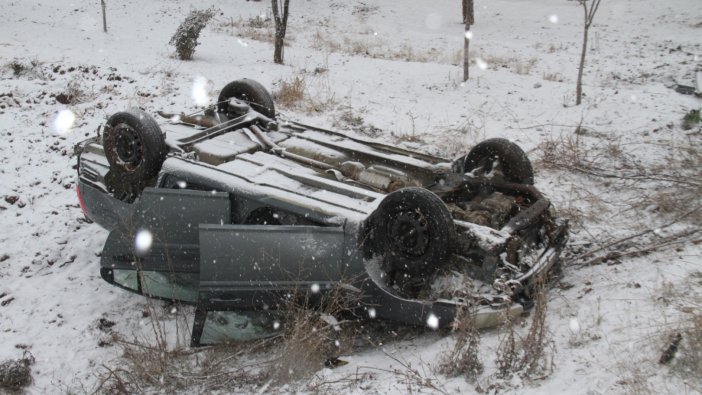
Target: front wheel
[250, 92]
[492, 154]
[413, 228]
[135, 149]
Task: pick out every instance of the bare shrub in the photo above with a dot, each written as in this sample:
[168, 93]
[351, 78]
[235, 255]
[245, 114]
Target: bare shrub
[186, 36]
[691, 119]
[33, 69]
[464, 358]
[17, 68]
[16, 374]
[312, 336]
[75, 93]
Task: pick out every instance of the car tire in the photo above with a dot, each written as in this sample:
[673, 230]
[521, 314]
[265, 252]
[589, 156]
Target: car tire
[135, 149]
[516, 166]
[249, 91]
[413, 228]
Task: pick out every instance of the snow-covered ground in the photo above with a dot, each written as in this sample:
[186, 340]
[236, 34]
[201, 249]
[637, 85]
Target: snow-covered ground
[394, 66]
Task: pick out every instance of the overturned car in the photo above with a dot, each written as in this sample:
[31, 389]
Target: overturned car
[234, 210]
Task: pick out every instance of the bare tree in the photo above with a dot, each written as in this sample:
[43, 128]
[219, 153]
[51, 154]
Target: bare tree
[280, 15]
[468, 20]
[589, 11]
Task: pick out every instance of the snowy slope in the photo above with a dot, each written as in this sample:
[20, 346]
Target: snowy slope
[395, 65]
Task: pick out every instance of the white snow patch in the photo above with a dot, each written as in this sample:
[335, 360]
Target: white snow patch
[200, 93]
[434, 21]
[574, 326]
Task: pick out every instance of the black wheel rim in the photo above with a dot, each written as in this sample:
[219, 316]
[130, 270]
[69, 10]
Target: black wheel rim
[128, 147]
[409, 233]
[485, 165]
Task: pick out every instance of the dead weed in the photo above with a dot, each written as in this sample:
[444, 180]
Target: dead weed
[464, 359]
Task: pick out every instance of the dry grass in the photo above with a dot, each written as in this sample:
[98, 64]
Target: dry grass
[290, 93]
[681, 346]
[556, 77]
[513, 63]
[635, 380]
[303, 93]
[668, 188]
[464, 358]
[350, 118]
[310, 337]
[147, 370]
[32, 70]
[258, 28]
[372, 46]
[688, 362]
[531, 356]
[75, 93]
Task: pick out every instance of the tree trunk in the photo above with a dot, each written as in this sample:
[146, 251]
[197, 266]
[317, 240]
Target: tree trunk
[466, 57]
[468, 14]
[589, 16]
[281, 23]
[579, 83]
[278, 51]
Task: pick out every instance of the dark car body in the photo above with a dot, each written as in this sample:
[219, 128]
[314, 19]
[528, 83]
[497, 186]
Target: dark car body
[246, 210]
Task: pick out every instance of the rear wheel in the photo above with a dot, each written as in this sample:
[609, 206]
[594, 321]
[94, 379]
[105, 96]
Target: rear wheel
[248, 91]
[493, 153]
[135, 149]
[413, 228]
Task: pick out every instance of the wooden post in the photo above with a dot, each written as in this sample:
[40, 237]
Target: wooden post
[104, 15]
[468, 20]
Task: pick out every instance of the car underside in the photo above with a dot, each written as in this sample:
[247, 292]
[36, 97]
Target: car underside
[233, 209]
